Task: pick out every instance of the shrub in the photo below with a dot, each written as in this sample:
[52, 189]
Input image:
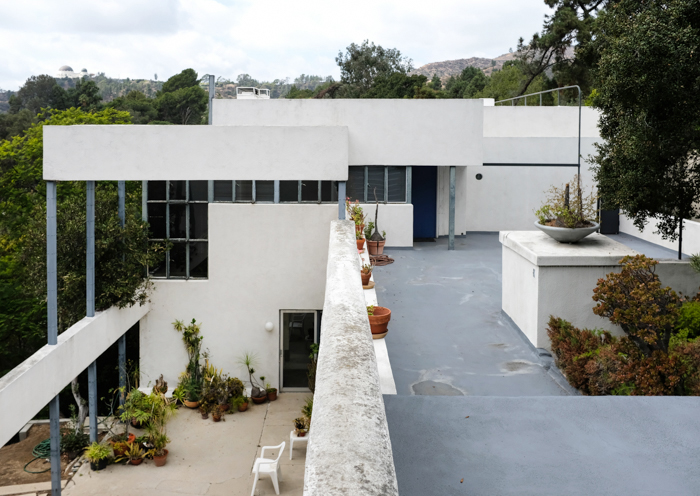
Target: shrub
[688, 354]
[574, 348]
[635, 300]
[689, 319]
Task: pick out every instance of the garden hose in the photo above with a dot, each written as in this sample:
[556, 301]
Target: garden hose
[41, 450]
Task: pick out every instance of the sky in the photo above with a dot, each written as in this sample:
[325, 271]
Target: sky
[266, 39]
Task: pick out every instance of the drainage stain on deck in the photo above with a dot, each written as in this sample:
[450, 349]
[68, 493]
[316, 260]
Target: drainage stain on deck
[432, 388]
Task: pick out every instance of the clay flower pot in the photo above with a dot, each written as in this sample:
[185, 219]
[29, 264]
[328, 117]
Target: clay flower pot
[136, 462]
[365, 277]
[191, 404]
[224, 407]
[359, 228]
[216, 416]
[360, 244]
[301, 433]
[160, 460]
[242, 407]
[205, 415]
[272, 394]
[379, 322]
[375, 247]
[260, 400]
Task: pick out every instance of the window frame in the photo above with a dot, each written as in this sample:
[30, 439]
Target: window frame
[407, 184]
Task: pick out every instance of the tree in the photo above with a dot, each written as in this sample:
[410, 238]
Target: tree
[573, 23]
[181, 100]
[507, 82]
[295, 92]
[468, 84]
[38, 92]
[396, 85]
[141, 108]
[436, 83]
[361, 64]
[647, 84]
[85, 95]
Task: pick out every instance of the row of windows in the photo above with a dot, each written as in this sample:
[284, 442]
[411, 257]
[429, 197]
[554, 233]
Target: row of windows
[177, 210]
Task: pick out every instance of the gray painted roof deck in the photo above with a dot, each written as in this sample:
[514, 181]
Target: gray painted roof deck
[455, 355]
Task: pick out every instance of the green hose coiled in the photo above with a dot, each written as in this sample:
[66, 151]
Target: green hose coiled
[40, 451]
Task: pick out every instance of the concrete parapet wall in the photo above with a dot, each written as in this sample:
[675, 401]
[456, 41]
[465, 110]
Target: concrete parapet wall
[349, 449]
[27, 388]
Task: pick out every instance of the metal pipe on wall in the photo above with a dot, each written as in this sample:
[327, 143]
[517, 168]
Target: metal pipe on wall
[451, 240]
[52, 331]
[341, 200]
[121, 191]
[90, 301]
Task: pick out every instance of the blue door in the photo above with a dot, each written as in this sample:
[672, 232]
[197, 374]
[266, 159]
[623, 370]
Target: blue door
[424, 199]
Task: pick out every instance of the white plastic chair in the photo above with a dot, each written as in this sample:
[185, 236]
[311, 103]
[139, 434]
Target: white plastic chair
[269, 467]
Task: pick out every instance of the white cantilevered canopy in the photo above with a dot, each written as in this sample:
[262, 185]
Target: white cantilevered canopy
[135, 153]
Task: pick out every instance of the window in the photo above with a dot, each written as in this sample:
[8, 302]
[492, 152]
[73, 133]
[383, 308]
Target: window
[244, 191]
[177, 211]
[387, 182]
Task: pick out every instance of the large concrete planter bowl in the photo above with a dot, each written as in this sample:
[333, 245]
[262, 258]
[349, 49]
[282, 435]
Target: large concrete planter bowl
[568, 235]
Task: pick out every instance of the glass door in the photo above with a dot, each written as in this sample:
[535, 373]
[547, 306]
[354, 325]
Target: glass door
[299, 332]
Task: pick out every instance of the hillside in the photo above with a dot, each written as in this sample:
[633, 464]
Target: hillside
[448, 68]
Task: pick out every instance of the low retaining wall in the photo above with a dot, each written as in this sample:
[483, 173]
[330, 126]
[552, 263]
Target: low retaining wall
[349, 448]
[27, 388]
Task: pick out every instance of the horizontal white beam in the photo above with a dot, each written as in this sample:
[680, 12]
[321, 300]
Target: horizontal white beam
[27, 388]
[135, 153]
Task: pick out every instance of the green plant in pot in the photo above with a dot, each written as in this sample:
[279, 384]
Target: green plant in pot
[375, 241]
[379, 318]
[271, 392]
[257, 392]
[162, 410]
[137, 409]
[98, 455]
[301, 426]
[366, 273]
[240, 403]
[569, 214]
[73, 443]
[135, 454]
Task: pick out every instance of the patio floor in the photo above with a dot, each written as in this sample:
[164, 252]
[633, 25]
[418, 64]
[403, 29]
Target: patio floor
[208, 458]
[477, 412]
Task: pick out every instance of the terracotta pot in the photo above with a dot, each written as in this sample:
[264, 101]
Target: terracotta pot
[136, 462]
[98, 465]
[120, 447]
[380, 320]
[191, 404]
[272, 395]
[260, 400]
[224, 407]
[375, 247]
[360, 244]
[216, 416]
[205, 415]
[365, 277]
[135, 423]
[160, 460]
[301, 433]
[359, 228]
[242, 407]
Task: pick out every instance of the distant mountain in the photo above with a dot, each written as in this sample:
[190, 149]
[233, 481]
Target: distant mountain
[448, 68]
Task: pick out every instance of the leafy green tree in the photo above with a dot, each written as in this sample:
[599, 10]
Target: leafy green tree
[468, 84]
[647, 82]
[436, 83]
[396, 85]
[142, 109]
[15, 124]
[182, 100]
[38, 92]
[573, 24]
[361, 64]
[295, 92]
[85, 95]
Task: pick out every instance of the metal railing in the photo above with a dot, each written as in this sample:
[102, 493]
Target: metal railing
[558, 90]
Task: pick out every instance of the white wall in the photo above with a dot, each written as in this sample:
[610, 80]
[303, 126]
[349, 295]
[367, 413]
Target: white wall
[540, 122]
[380, 132]
[27, 388]
[263, 258]
[100, 153]
[691, 234]
[396, 219]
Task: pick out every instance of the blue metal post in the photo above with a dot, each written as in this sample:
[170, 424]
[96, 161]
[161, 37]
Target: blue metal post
[212, 94]
[341, 200]
[90, 302]
[451, 240]
[277, 192]
[52, 331]
[121, 188]
[409, 184]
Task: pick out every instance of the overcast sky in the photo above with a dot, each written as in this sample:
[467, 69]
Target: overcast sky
[266, 39]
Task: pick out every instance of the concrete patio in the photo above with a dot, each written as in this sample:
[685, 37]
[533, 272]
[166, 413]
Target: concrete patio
[208, 458]
[480, 412]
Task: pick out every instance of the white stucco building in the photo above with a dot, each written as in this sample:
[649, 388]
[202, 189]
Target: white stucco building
[66, 71]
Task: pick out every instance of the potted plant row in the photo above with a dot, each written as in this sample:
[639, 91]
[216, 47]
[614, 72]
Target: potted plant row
[366, 273]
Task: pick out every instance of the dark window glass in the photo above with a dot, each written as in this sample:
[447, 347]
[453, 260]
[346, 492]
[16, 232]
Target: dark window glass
[265, 191]
[199, 191]
[178, 190]
[289, 191]
[156, 190]
[397, 184]
[329, 191]
[223, 190]
[199, 259]
[356, 184]
[375, 184]
[198, 220]
[309, 191]
[156, 219]
[158, 270]
[178, 221]
[244, 191]
[178, 257]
